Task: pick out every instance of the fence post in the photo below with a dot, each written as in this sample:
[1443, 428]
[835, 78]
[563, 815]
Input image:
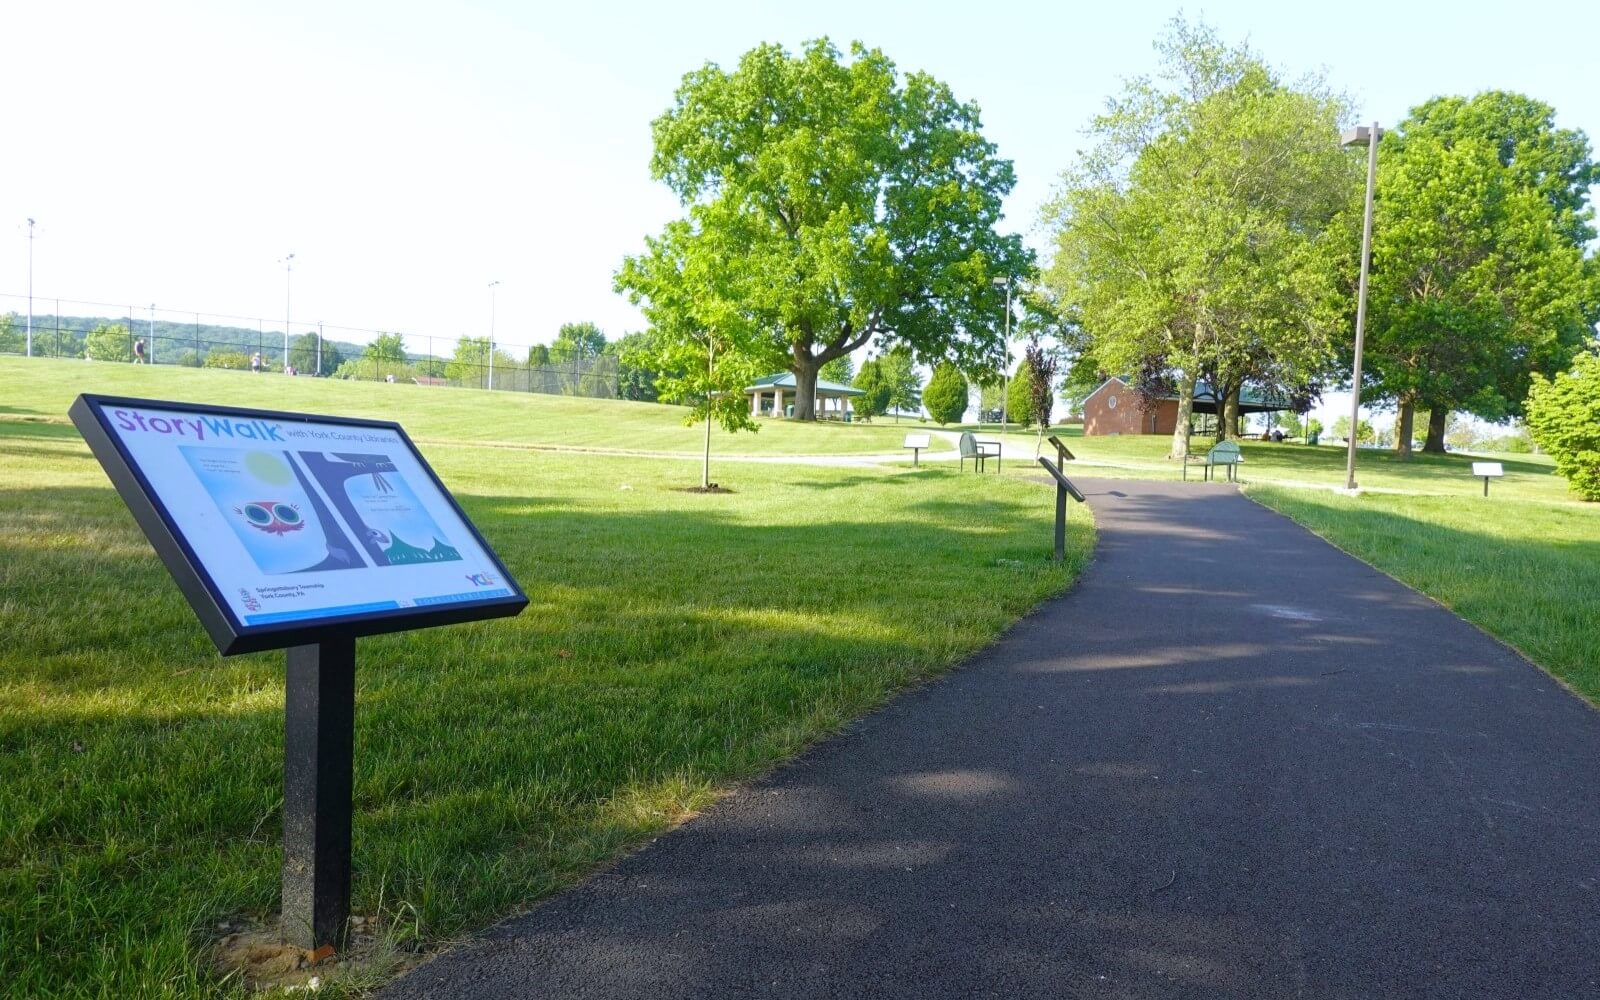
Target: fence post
[197, 358]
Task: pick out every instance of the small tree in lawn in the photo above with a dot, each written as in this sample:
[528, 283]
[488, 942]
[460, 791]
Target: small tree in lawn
[946, 395]
[875, 390]
[1019, 397]
[1038, 373]
[900, 374]
[703, 347]
[1563, 416]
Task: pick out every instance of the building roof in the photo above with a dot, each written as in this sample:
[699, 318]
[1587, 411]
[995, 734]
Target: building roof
[785, 380]
[1205, 398]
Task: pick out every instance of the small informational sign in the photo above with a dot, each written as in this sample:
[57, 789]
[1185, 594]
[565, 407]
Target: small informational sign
[916, 441]
[1488, 469]
[282, 528]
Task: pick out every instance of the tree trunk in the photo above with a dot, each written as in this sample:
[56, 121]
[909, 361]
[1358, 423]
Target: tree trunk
[1438, 417]
[1228, 419]
[805, 389]
[1236, 420]
[1180, 433]
[1406, 427]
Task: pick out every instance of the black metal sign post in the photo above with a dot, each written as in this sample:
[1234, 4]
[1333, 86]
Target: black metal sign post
[1064, 488]
[1063, 453]
[157, 454]
[318, 745]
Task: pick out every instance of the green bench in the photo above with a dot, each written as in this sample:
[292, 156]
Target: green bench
[978, 451]
[1226, 454]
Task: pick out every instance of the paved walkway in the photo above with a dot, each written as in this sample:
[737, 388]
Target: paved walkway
[1233, 762]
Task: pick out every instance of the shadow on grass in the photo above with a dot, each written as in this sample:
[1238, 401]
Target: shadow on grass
[665, 652]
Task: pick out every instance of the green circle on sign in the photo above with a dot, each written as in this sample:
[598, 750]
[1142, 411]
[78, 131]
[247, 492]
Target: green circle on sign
[268, 468]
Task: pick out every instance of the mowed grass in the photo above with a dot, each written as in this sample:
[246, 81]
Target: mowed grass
[676, 643]
[44, 388]
[1525, 571]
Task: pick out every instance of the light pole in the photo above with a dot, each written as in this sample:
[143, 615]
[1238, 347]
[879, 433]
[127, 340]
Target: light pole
[319, 348]
[150, 348]
[288, 289]
[492, 286]
[1368, 137]
[30, 290]
[1005, 369]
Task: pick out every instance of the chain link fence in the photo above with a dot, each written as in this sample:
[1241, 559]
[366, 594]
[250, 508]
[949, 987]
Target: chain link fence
[100, 331]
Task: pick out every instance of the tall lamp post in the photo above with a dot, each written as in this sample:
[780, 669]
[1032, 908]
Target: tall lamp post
[1368, 137]
[492, 286]
[1005, 369]
[288, 289]
[30, 292]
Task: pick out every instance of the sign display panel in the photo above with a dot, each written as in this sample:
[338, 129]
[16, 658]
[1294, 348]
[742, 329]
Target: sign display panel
[289, 522]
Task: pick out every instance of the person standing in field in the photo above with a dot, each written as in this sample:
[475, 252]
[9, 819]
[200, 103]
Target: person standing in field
[138, 351]
[255, 362]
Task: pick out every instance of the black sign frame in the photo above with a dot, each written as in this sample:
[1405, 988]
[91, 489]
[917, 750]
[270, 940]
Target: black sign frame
[232, 636]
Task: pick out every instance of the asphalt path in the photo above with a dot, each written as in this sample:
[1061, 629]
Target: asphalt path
[1232, 762]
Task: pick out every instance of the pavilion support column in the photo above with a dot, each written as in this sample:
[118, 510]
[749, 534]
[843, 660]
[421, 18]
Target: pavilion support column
[755, 403]
[777, 402]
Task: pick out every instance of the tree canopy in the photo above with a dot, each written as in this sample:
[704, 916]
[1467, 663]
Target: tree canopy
[1478, 273]
[1196, 237]
[835, 201]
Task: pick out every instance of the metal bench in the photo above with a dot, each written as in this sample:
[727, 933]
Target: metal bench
[978, 451]
[1225, 453]
[916, 442]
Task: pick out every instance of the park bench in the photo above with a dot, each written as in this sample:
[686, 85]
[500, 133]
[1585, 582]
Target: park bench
[916, 442]
[1226, 453]
[978, 451]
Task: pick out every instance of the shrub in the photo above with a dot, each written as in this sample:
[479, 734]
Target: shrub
[946, 395]
[1019, 398]
[1564, 418]
[874, 398]
[228, 359]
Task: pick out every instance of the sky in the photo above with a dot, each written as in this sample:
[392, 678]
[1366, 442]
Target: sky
[172, 153]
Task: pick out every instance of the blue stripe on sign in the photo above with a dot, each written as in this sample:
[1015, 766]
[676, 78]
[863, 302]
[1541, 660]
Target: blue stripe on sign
[476, 595]
[294, 616]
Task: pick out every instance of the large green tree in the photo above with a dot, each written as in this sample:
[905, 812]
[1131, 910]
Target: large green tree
[1197, 238]
[1479, 277]
[905, 385]
[577, 342]
[837, 200]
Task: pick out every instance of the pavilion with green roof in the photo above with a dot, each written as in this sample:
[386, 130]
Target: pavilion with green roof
[767, 397]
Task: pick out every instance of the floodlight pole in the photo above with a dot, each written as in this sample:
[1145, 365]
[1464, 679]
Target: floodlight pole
[492, 286]
[1005, 367]
[319, 348]
[288, 289]
[1356, 137]
[150, 348]
[30, 293]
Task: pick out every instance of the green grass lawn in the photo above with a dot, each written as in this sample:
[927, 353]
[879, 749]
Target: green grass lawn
[1527, 571]
[44, 388]
[676, 643]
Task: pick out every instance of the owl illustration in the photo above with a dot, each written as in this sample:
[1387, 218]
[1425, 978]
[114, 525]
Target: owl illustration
[272, 516]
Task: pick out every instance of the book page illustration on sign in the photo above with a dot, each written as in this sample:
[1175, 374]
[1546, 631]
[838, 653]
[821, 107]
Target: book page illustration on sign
[272, 510]
[381, 508]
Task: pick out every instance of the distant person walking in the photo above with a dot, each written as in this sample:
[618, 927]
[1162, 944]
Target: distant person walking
[255, 362]
[138, 351]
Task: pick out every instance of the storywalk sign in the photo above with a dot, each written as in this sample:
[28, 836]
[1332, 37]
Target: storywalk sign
[285, 530]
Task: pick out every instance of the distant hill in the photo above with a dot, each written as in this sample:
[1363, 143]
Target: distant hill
[172, 342]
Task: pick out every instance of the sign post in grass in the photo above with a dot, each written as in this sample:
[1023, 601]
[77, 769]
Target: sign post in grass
[297, 532]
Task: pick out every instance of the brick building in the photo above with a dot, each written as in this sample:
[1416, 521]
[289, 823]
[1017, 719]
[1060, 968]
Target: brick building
[1115, 408]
